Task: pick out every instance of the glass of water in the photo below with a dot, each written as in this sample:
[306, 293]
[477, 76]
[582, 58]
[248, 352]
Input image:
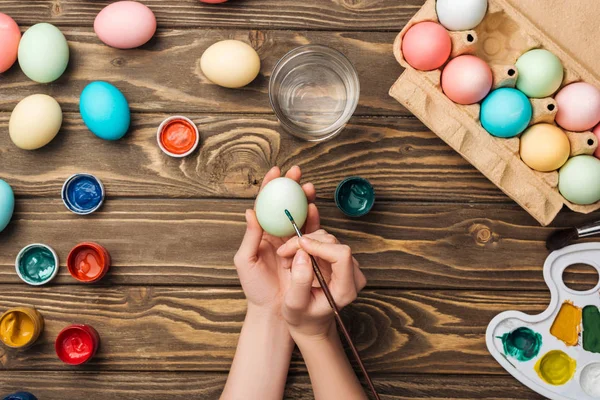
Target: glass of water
[314, 91]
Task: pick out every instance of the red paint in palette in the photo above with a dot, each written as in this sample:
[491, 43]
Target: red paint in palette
[178, 136]
[88, 262]
[77, 344]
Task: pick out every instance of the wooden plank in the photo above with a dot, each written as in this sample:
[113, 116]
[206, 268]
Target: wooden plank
[402, 159]
[208, 386]
[381, 15]
[192, 329]
[192, 242]
[165, 74]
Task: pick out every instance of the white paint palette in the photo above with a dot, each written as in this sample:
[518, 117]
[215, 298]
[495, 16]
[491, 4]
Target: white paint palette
[555, 353]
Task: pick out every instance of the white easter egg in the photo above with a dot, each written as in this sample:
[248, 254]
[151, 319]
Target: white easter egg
[35, 121]
[461, 15]
[277, 196]
[230, 63]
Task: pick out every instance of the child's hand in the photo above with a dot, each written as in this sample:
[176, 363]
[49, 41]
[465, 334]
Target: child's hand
[264, 275]
[305, 308]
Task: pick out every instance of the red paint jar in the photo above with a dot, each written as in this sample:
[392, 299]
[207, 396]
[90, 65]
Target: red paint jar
[178, 136]
[77, 344]
[88, 262]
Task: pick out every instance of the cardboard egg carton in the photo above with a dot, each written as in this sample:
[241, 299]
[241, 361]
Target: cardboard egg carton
[503, 36]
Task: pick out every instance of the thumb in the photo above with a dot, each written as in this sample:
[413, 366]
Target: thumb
[249, 248]
[299, 293]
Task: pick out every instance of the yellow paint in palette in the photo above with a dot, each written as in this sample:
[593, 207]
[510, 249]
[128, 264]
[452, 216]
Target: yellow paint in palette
[20, 327]
[567, 325]
[556, 367]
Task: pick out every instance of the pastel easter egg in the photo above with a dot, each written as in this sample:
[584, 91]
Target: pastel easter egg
[544, 147]
[125, 24]
[35, 121]
[10, 36]
[43, 53]
[540, 73]
[461, 15]
[506, 112]
[467, 79]
[7, 204]
[597, 133]
[277, 196]
[426, 46]
[579, 180]
[578, 107]
[104, 110]
[230, 63]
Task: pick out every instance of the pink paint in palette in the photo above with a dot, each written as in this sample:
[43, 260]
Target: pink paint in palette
[555, 353]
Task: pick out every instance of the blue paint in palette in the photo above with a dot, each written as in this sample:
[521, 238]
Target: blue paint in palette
[20, 396]
[83, 194]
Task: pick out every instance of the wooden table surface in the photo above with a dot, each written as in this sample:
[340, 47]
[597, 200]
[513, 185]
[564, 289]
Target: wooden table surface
[444, 250]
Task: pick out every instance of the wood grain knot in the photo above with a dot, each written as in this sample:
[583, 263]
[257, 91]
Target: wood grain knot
[119, 62]
[257, 39]
[482, 234]
[56, 9]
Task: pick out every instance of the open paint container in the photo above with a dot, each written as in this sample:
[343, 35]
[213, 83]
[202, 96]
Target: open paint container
[77, 344]
[88, 262]
[83, 193]
[21, 396]
[37, 264]
[556, 353]
[20, 327]
[355, 196]
[178, 136]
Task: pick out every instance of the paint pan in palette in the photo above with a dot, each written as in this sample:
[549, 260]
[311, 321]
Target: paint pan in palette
[556, 353]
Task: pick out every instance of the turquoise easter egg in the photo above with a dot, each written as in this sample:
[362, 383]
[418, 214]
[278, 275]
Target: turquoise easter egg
[104, 110]
[505, 112]
[43, 53]
[7, 204]
[579, 180]
[540, 73]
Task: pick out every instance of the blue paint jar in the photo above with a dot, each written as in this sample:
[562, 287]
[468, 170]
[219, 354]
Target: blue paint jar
[355, 196]
[83, 193]
[506, 112]
[20, 396]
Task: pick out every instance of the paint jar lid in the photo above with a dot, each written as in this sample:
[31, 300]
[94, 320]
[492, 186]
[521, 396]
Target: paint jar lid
[37, 264]
[355, 196]
[178, 136]
[77, 344]
[21, 396]
[20, 327]
[88, 262]
[82, 193]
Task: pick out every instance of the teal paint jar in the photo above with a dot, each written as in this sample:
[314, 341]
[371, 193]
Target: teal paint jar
[37, 264]
[355, 196]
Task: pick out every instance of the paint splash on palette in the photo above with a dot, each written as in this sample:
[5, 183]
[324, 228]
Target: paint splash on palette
[556, 353]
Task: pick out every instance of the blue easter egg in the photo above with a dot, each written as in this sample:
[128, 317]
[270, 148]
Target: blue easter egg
[104, 110]
[506, 112]
[7, 204]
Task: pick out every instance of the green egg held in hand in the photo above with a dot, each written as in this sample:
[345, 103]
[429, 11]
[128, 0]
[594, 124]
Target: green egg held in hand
[277, 196]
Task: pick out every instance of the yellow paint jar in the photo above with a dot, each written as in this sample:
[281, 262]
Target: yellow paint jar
[20, 327]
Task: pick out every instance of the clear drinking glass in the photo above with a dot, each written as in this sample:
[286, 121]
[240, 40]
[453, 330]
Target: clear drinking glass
[314, 91]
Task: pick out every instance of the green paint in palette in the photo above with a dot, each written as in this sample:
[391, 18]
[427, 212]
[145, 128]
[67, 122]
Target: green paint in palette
[37, 264]
[522, 344]
[591, 329]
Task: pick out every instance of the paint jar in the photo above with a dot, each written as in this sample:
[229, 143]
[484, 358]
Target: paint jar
[21, 396]
[77, 344]
[37, 264]
[88, 262]
[178, 136]
[355, 196]
[314, 91]
[20, 327]
[82, 193]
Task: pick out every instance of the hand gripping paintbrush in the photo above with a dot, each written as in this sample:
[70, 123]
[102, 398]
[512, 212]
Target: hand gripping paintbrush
[336, 311]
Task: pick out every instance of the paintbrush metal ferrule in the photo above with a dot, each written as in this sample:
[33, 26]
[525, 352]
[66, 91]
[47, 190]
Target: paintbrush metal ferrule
[589, 230]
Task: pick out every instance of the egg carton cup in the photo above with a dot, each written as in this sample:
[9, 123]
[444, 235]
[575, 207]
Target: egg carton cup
[500, 39]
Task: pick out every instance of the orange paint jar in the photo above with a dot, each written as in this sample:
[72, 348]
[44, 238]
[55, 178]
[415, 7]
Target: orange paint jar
[20, 327]
[178, 136]
[88, 262]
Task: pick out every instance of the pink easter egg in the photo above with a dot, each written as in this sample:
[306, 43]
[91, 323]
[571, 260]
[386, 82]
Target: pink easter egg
[467, 79]
[125, 24]
[10, 36]
[578, 107]
[597, 133]
[426, 46]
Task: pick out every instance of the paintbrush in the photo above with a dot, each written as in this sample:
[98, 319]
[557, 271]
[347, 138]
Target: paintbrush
[336, 311]
[562, 238]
